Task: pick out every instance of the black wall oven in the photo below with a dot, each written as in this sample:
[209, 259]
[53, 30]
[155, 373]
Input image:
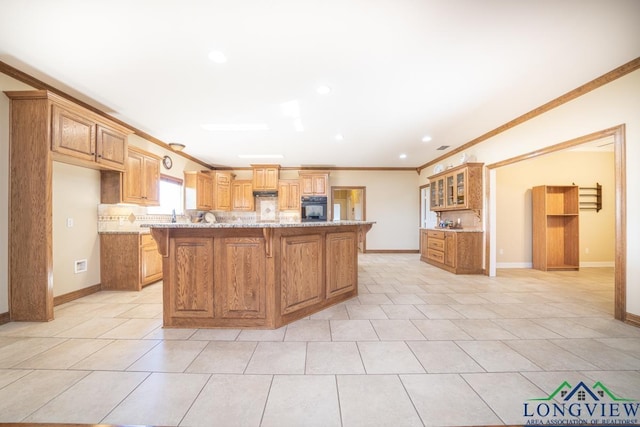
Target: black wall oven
[313, 208]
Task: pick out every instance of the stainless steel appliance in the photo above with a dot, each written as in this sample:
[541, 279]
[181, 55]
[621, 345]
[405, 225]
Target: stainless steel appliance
[313, 208]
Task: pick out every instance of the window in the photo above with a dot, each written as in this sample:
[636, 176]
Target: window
[170, 197]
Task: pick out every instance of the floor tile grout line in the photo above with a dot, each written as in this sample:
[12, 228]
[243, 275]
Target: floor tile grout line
[266, 400]
[148, 375]
[195, 399]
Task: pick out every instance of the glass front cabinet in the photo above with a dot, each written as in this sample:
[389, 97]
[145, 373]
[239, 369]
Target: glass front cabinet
[457, 188]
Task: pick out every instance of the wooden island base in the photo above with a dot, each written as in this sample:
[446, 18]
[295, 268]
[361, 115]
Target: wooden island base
[255, 276]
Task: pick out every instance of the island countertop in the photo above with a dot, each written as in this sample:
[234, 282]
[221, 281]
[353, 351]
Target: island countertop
[255, 275]
[256, 224]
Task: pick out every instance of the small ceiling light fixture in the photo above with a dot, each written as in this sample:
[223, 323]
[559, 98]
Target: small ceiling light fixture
[339, 137]
[403, 156]
[426, 138]
[323, 90]
[217, 57]
[176, 146]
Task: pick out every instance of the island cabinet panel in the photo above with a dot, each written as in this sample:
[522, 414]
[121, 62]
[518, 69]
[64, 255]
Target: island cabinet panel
[192, 276]
[301, 272]
[342, 268]
[240, 279]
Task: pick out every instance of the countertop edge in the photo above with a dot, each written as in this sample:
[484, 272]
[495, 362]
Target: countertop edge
[258, 225]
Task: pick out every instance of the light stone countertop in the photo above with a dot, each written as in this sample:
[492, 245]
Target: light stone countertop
[457, 230]
[258, 224]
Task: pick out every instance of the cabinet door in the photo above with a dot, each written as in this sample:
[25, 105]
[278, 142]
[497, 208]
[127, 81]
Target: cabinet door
[320, 185]
[111, 147]
[294, 196]
[151, 179]
[133, 188]
[424, 239]
[241, 286]
[271, 179]
[450, 191]
[306, 185]
[301, 275]
[150, 261]
[450, 249]
[461, 188]
[341, 263]
[191, 267]
[222, 195]
[242, 195]
[204, 192]
[283, 196]
[73, 134]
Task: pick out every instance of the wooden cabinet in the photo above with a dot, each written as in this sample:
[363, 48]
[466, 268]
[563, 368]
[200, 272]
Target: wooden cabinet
[265, 177]
[457, 188]
[198, 191]
[314, 184]
[242, 195]
[222, 191]
[289, 195]
[555, 227]
[128, 261]
[139, 183]
[459, 252]
[79, 135]
[36, 139]
[341, 263]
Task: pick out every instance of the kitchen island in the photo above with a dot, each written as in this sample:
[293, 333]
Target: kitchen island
[261, 275]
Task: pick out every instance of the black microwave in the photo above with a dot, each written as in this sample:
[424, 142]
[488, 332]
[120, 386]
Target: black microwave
[313, 208]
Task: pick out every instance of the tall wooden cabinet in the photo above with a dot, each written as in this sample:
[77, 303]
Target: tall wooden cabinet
[555, 227]
[46, 127]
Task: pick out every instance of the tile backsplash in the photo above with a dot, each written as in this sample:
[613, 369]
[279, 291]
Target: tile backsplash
[130, 217]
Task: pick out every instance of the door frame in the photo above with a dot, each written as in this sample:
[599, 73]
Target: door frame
[364, 206]
[619, 144]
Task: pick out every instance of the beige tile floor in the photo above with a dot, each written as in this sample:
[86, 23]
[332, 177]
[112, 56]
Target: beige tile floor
[419, 346]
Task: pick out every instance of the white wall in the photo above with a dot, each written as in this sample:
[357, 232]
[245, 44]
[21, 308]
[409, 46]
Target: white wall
[613, 104]
[76, 195]
[392, 200]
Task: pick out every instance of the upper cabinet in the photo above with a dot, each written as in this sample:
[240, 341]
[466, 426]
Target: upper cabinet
[198, 191]
[314, 183]
[242, 195]
[457, 188]
[139, 183]
[265, 177]
[222, 191]
[289, 195]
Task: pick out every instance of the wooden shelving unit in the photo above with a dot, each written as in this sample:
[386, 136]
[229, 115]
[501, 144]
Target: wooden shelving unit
[556, 227]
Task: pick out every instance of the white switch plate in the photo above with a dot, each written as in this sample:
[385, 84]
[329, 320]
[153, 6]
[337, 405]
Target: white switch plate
[69, 222]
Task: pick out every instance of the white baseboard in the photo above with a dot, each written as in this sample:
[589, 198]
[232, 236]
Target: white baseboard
[514, 265]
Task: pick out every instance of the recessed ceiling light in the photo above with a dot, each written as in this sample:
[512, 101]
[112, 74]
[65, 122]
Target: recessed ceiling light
[339, 137]
[235, 127]
[260, 156]
[403, 156]
[426, 138]
[217, 57]
[323, 90]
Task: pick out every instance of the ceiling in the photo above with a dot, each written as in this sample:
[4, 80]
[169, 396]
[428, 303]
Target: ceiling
[397, 69]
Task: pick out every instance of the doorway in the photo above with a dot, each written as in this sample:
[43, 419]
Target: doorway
[618, 135]
[349, 204]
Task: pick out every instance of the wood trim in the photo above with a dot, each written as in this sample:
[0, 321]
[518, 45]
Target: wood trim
[428, 185]
[62, 299]
[40, 85]
[563, 99]
[322, 168]
[5, 318]
[620, 284]
[170, 178]
[632, 319]
[393, 251]
[619, 143]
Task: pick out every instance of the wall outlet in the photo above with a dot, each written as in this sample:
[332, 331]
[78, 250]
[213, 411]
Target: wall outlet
[80, 266]
[69, 222]
[586, 250]
[501, 251]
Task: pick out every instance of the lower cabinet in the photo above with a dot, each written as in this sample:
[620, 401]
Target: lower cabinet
[459, 252]
[128, 261]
